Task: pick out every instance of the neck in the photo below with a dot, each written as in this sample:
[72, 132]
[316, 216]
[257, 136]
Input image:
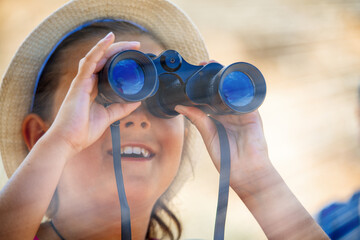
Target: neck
[101, 222]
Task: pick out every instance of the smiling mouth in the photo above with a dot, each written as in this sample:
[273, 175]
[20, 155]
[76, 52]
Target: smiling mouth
[135, 153]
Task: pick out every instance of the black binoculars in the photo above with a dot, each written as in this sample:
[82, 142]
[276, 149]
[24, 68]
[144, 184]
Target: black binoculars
[167, 80]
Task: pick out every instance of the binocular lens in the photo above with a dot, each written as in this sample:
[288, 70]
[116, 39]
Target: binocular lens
[238, 89]
[128, 77]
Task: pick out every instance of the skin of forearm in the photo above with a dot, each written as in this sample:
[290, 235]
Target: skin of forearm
[277, 210]
[27, 195]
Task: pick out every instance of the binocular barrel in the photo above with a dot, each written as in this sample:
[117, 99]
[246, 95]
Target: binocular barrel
[167, 80]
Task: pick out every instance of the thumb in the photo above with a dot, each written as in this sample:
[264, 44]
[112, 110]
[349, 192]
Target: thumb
[118, 111]
[200, 119]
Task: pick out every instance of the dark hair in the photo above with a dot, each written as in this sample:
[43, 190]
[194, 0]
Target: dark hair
[162, 217]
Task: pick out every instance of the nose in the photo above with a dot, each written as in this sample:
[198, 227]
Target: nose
[139, 119]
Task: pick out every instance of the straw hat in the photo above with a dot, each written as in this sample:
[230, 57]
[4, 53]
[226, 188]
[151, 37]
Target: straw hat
[163, 19]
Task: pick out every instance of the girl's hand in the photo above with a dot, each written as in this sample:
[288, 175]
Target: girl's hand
[253, 177]
[249, 154]
[81, 120]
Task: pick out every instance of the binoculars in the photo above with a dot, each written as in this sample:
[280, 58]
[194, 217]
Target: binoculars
[164, 81]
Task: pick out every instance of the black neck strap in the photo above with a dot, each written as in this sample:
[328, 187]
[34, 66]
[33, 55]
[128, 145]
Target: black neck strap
[125, 210]
[55, 230]
[223, 183]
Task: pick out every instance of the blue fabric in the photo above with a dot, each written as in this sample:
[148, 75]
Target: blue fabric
[52, 51]
[341, 220]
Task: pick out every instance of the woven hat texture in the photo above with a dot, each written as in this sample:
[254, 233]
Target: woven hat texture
[162, 18]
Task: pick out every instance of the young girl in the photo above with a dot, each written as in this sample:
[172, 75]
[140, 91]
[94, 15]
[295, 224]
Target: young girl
[48, 101]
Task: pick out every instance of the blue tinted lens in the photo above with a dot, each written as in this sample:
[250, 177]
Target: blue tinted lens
[127, 76]
[238, 89]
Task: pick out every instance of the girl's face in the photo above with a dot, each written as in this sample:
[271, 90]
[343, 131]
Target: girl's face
[152, 148]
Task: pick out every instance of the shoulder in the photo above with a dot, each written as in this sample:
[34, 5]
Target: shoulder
[341, 220]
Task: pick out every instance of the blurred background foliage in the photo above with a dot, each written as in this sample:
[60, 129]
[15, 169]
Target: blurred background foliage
[309, 53]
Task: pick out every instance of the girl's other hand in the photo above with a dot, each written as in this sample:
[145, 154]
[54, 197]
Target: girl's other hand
[81, 120]
[249, 155]
[253, 177]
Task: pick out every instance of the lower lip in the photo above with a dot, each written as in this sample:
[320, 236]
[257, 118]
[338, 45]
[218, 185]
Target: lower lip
[136, 159]
[133, 159]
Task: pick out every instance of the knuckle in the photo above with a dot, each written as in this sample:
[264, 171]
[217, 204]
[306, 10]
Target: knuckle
[82, 61]
[111, 113]
[87, 58]
[198, 120]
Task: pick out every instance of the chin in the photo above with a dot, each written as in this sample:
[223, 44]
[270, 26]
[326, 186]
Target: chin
[142, 194]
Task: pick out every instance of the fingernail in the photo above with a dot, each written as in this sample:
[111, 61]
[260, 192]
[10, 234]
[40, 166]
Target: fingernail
[109, 36]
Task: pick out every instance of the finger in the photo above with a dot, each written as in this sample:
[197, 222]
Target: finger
[94, 91]
[202, 122]
[118, 111]
[206, 128]
[116, 48]
[88, 64]
[203, 63]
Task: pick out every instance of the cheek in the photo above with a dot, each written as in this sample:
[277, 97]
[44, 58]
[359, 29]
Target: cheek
[60, 92]
[171, 137]
[172, 133]
[89, 172]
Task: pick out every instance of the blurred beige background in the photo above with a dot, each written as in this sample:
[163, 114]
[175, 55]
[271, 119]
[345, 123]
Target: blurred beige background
[309, 53]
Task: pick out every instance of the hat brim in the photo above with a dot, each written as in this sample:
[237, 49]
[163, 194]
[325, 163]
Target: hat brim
[160, 17]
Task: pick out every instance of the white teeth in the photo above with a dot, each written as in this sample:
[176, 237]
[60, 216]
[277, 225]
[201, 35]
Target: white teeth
[128, 150]
[145, 152]
[135, 150]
